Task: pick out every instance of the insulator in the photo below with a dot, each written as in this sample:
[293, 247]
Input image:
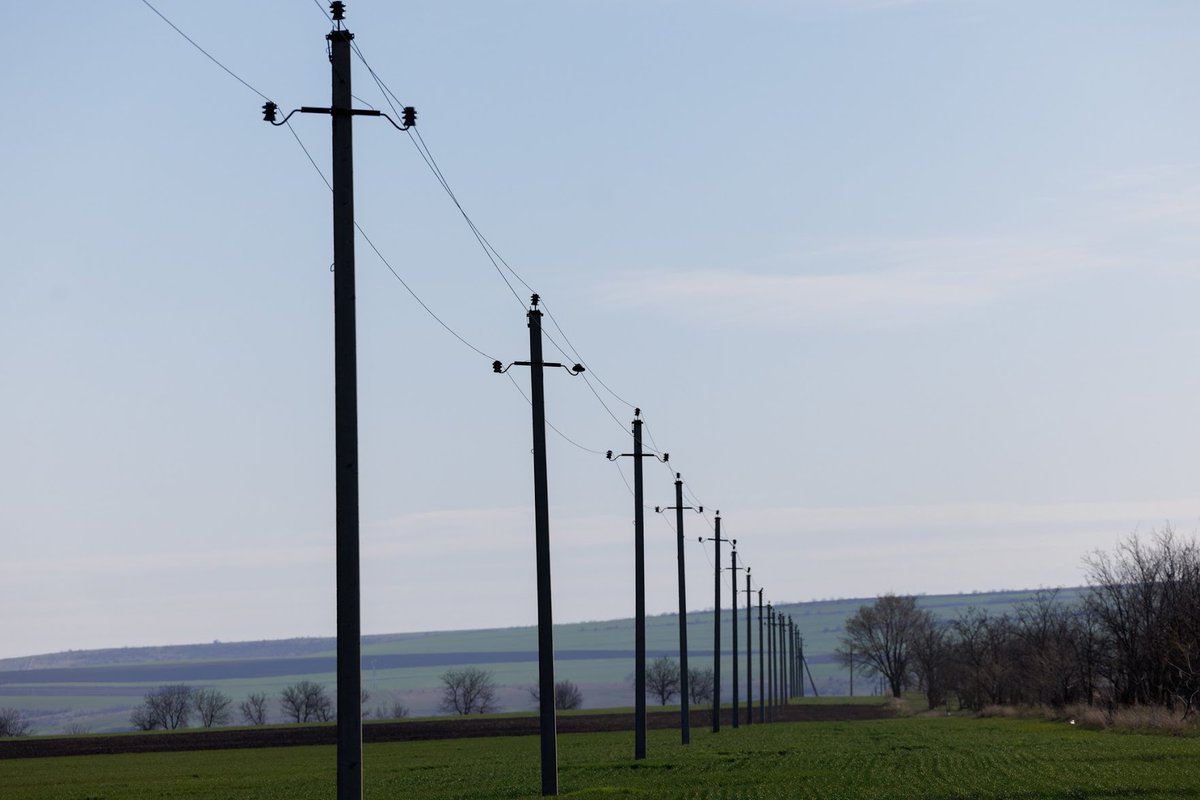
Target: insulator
[410, 116]
[269, 109]
[339, 10]
[497, 366]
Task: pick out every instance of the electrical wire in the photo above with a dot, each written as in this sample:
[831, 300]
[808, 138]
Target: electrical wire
[550, 424]
[207, 54]
[324, 179]
[493, 255]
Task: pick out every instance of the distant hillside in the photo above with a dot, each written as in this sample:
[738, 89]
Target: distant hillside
[96, 689]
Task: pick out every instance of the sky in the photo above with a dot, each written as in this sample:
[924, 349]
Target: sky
[906, 288]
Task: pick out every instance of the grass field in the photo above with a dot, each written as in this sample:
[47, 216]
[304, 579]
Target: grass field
[947, 758]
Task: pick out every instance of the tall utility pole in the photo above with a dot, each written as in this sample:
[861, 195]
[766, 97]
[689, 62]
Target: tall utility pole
[541, 516]
[639, 586]
[345, 369]
[762, 660]
[685, 724]
[716, 540]
[770, 662]
[749, 654]
[733, 593]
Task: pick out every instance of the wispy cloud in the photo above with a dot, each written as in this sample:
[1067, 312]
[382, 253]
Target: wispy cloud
[879, 283]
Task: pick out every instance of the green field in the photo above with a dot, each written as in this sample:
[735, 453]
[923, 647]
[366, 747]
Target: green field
[952, 757]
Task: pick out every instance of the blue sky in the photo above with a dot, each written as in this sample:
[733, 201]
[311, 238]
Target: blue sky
[907, 290]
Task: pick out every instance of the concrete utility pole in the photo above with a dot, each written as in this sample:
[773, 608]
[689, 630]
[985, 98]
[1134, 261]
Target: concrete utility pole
[349, 630]
[685, 724]
[800, 658]
[639, 583]
[770, 662]
[541, 517]
[345, 371]
[749, 654]
[762, 660]
[716, 540]
[733, 593]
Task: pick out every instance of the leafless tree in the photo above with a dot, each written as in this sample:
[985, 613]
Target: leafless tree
[13, 722]
[213, 707]
[880, 637]
[662, 679]
[168, 707]
[468, 691]
[254, 708]
[700, 684]
[1146, 599]
[932, 659]
[567, 695]
[306, 702]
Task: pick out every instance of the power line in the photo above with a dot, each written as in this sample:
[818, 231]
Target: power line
[207, 54]
[323, 178]
[550, 424]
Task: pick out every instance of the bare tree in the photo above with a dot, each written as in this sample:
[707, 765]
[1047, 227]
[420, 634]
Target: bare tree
[880, 637]
[700, 684]
[1146, 600]
[468, 691]
[306, 702]
[212, 706]
[932, 659]
[168, 707]
[13, 722]
[254, 708]
[567, 695]
[662, 679]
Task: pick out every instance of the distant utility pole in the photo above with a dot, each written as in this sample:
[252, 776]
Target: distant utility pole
[800, 659]
[762, 660]
[749, 654]
[852, 670]
[541, 504]
[770, 662]
[639, 585]
[345, 370]
[733, 593]
[685, 723]
[716, 540]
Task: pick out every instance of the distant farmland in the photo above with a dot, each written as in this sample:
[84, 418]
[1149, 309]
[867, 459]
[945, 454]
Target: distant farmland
[96, 689]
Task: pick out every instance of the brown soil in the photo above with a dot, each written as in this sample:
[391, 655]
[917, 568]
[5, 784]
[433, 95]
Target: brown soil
[404, 730]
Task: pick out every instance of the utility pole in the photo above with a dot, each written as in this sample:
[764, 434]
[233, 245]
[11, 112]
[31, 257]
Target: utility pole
[345, 371]
[800, 658]
[541, 505]
[852, 670]
[685, 723]
[762, 660]
[770, 662]
[749, 654]
[733, 593]
[349, 625]
[716, 540]
[639, 586]
[791, 664]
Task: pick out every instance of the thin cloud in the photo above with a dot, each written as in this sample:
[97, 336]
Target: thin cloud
[877, 284]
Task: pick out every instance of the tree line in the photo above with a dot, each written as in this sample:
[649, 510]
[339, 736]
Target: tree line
[1133, 639]
[174, 706]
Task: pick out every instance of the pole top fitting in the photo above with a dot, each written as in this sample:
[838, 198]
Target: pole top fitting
[677, 477]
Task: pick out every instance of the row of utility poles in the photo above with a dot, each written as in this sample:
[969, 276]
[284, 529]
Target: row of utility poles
[780, 662]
